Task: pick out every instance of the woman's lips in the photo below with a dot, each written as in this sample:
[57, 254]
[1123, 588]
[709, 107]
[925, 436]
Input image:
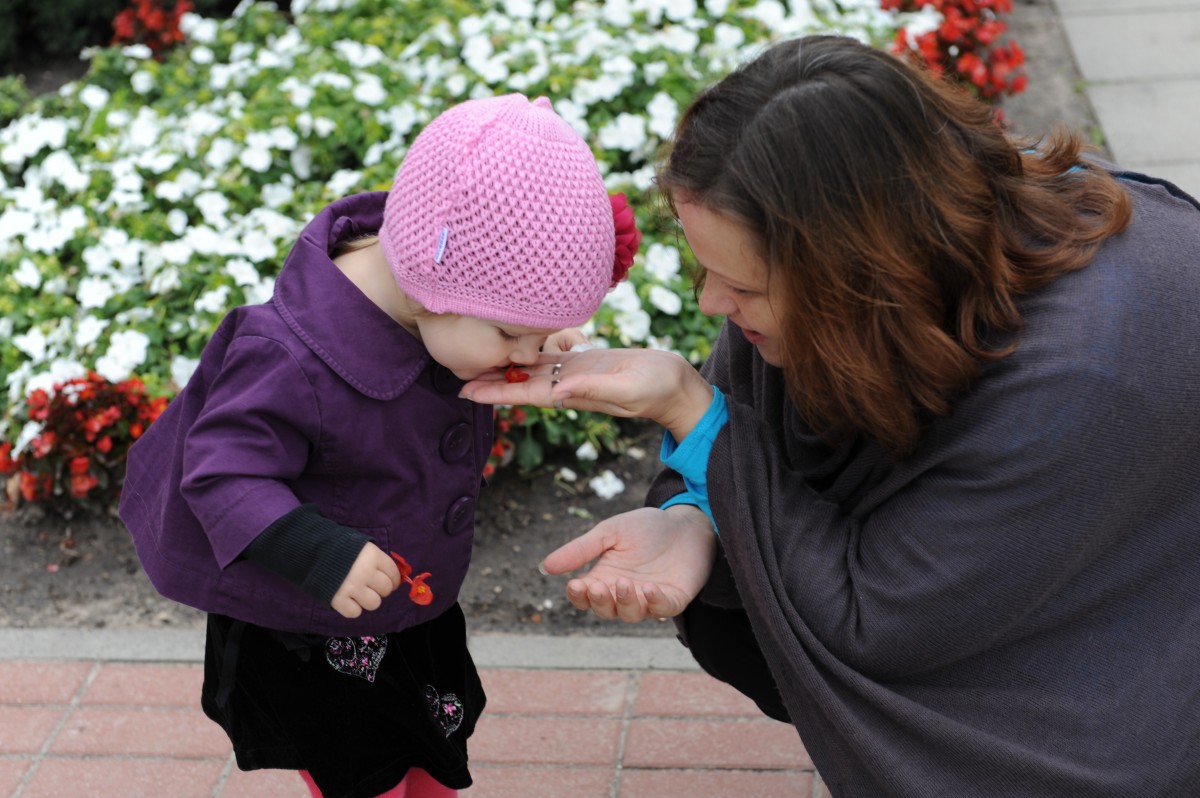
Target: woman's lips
[753, 337]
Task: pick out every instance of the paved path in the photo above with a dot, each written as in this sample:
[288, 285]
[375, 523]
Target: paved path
[1140, 61]
[111, 714]
[114, 714]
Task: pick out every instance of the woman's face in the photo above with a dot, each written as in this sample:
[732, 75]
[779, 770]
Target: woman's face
[735, 284]
[469, 346]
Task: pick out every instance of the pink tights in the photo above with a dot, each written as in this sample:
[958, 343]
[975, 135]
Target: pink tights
[417, 784]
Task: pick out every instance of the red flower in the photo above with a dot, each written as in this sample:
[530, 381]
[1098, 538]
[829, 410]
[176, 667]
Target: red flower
[420, 592]
[82, 484]
[629, 238]
[514, 374]
[78, 466]
[7, 464]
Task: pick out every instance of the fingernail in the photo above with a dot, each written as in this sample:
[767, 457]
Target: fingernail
[542, 569]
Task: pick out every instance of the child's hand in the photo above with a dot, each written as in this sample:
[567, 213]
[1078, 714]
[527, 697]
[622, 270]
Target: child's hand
[372, 578]
[563, 340]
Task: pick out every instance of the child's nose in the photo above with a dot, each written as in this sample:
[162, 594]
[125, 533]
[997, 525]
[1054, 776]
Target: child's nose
[525, 353]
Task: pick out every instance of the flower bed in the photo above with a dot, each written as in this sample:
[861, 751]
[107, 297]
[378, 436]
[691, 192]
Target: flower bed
[141, 203]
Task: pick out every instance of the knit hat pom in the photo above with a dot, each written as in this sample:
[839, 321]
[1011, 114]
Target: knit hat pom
[499, 211]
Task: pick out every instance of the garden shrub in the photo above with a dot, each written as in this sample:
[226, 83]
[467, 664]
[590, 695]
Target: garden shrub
[140, 204]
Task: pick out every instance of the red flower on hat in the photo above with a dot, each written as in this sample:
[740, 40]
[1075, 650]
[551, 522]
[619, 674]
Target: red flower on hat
[629, 237]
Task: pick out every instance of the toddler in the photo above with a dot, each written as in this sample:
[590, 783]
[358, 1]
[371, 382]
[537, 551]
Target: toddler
[313, 487]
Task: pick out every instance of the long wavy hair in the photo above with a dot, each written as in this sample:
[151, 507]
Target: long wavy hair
[898, 222]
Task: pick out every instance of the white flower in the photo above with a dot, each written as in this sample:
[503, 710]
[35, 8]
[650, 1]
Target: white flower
[126, 351]
[32, 343]
[567, 475]
[283, 138]
[518, 9]
[633, 326]
[137, 52]
[300, 94]
[213, 301]
[165, 281]
[661, 262]
[177, 221]
[88, 331]
[242, 271]
[654, 70]
[728, 37]
[202, 55]
[278, 194]
[212, 206]
[27, 274]
[142, 81]
[198, 28]
[586, 451]
[182, 369]
[256, 158]
[15, 222]
[370, 90]
[617, 13]
[626, 132]
[666, 301]
[94, 97]
[260, 292]
[94, 292]
[623, 298]
[30, 431]
[664, 112]
[220, 153]
[607, 485]
[343, 182]
[358, 54]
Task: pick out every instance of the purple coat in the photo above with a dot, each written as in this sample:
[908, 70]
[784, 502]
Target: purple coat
[317, 397]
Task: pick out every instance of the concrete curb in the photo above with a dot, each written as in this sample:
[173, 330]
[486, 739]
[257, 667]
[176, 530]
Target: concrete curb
[489, 650]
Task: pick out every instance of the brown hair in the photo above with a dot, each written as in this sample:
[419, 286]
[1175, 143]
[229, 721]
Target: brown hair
[897, 220]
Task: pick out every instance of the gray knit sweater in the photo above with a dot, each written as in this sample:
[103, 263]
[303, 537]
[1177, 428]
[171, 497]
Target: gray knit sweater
[1015, 610]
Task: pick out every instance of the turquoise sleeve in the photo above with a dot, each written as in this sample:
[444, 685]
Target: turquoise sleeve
[689, 458]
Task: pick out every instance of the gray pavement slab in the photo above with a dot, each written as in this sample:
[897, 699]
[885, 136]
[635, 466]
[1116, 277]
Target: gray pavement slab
[1151, 122]
[1083, 7]
[1136, 45]
[1140, 67]
[488, 650]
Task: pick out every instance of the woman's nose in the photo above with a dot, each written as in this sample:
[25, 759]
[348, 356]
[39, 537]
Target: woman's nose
[715, 302]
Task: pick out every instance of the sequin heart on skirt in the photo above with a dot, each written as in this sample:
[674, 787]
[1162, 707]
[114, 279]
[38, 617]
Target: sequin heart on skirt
[447, 709]
[356, 656]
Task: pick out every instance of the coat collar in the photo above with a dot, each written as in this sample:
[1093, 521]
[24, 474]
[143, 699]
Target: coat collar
[342, 327]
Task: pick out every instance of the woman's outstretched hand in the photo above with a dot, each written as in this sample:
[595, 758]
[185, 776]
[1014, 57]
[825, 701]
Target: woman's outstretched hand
[649, 563]
[630, 383]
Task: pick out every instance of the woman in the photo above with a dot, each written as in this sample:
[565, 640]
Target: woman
[947, 439]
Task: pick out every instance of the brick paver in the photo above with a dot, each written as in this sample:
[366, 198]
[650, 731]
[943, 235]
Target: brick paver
[128, 730]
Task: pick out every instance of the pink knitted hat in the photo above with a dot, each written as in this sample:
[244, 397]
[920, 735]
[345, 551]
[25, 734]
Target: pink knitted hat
[499, 212]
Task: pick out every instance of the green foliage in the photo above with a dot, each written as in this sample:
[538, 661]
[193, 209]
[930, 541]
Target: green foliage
[144, 201]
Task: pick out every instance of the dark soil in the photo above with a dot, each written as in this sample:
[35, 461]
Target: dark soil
[85, 573]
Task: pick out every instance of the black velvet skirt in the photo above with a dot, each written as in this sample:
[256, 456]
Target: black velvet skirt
[356, 713]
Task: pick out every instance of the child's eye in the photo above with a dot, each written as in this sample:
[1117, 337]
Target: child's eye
[506, 335]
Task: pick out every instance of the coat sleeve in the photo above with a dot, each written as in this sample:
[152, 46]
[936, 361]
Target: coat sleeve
[257, 428]
[946, 554]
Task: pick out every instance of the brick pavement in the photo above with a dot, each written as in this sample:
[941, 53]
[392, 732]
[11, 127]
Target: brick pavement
[113, 729]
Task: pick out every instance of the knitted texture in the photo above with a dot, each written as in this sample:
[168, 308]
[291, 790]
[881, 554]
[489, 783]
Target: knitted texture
[498, 211]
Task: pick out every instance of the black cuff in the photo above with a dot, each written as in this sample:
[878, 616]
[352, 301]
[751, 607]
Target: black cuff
[309, 550]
